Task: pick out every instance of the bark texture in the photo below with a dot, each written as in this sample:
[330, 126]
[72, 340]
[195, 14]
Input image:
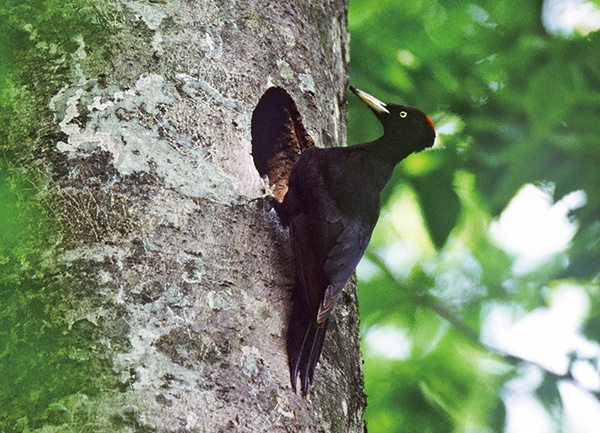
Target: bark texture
[159, 299]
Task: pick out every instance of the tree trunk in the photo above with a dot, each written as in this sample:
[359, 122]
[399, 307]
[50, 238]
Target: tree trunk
[158, 300]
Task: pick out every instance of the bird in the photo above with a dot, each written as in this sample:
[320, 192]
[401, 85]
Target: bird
[331, 206]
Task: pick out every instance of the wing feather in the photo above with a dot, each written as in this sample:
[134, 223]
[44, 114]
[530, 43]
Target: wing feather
[341, 263]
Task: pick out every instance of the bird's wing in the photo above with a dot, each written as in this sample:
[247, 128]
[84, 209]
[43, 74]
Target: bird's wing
[312, 239]
[341, 262]
[326, 256]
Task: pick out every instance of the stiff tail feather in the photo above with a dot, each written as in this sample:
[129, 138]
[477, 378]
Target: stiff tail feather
[304, 345]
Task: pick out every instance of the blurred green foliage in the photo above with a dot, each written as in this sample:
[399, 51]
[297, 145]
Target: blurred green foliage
[512, 105]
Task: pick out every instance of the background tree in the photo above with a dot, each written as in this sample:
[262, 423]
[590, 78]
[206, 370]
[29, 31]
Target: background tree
[141, 288]
[456, 278]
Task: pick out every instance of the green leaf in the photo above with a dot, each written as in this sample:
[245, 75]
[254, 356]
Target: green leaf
[439, 203]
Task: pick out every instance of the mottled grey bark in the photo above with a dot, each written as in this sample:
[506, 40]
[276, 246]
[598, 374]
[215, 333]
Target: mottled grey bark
[163, 288]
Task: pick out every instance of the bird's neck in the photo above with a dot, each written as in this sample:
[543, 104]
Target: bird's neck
[389, 151]
[376, 162]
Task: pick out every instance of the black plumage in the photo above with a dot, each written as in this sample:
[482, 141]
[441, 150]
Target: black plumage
[331, 208]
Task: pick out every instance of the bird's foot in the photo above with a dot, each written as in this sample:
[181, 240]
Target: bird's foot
[268, 194]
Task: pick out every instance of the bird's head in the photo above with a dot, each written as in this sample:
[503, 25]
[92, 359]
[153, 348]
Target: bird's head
[401, 123]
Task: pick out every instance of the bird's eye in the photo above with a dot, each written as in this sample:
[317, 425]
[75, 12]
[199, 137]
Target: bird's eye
[403, 114]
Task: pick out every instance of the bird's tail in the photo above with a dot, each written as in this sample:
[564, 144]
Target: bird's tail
[304, 345]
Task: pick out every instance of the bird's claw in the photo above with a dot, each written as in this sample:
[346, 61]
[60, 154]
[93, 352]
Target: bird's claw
[268, 192]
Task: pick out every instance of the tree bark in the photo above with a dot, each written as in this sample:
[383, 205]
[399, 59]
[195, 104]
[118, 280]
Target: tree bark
[163, 289]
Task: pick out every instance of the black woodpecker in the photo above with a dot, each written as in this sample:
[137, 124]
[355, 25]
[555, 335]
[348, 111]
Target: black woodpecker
[331, 208]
